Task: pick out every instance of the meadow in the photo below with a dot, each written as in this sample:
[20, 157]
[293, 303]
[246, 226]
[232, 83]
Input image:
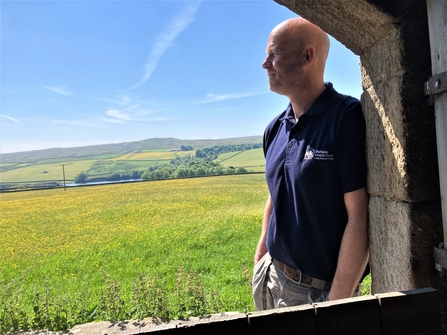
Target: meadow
[101, 242]
[167, 249]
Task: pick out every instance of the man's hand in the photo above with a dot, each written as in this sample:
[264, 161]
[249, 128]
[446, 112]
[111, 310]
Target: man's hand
[261, 249]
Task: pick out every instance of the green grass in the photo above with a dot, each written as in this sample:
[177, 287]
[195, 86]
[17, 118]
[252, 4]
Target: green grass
[73, 240]
[249, 159]
[46, 172]
[109, 167]
[91, 245]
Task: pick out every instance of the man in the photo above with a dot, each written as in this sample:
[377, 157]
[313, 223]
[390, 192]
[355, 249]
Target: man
[314, 243]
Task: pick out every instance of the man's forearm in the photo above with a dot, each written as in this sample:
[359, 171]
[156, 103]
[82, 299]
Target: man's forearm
[262, 247]
[352, 261]
[353, 254]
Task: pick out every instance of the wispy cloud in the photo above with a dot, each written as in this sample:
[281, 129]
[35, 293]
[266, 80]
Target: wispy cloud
[59, 90]
[167, 37]
[113, 120]
[131, 108]
[125, 117]
[10, 118]
[211, 97]
[117, 114]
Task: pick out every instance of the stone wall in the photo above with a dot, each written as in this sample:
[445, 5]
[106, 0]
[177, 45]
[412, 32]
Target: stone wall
[391, 38]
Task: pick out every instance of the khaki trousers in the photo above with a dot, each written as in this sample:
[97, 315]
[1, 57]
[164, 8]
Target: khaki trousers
[273, 289]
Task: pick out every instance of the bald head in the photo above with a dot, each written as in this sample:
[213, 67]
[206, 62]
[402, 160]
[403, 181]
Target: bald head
[302, 33]
[297, 51]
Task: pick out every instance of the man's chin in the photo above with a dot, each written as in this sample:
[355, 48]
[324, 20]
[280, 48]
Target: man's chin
[272, 87]
[275, 88]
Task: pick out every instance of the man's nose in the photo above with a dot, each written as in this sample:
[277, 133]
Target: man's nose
[266, 63]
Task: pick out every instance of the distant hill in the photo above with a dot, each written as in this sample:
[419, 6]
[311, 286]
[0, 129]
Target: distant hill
[120, 148]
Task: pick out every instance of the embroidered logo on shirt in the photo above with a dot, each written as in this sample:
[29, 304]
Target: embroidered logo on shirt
[322, 155]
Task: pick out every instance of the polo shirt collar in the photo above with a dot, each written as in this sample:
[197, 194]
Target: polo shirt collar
[319, 107]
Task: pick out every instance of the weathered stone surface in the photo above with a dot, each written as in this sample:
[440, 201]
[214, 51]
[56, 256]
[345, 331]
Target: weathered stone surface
[390, 246]
[398, 164]
[382, 62]
[401, 147]
[359, 19]
[385, 143]
[401, 241]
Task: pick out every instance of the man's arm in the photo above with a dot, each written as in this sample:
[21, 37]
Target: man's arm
[261, 249]
[353, 255]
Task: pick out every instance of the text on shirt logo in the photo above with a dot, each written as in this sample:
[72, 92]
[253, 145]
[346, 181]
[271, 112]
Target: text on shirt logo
[322, 155]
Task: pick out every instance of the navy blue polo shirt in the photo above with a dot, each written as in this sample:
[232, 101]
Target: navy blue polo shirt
[310, 164]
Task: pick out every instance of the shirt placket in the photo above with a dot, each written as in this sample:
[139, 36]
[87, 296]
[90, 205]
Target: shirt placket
[292, 144]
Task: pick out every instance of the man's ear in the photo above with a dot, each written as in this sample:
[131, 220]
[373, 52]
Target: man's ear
[309, 55]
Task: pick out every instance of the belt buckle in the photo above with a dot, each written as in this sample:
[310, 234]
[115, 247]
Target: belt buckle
[297, 281]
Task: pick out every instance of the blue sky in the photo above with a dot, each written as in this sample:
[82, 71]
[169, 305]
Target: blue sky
[77, 73]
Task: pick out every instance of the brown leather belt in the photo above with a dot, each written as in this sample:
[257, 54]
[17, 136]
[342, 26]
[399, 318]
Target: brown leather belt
[297, 276]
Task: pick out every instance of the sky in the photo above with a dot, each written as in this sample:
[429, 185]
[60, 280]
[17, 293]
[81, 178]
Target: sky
[76, 73]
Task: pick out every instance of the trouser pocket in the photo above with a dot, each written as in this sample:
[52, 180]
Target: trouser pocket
[258, 282]
[316, 295]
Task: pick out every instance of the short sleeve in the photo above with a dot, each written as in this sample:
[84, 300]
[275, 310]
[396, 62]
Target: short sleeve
[351, 147]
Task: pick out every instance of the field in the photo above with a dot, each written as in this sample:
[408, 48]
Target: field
[104, 166]
[155, 155]
[89, 253]
[67, 242]
[251, 160]
[46, 172]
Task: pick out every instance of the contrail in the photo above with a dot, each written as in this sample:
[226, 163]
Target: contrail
[10, 118]
[165, 39]
[58, 90]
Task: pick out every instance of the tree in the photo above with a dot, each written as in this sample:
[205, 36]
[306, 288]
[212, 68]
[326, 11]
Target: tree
[115, 177]
[146, 175]
[126, 176]
[241, 170]
[81, 178]
[186, 148]
[136, 175]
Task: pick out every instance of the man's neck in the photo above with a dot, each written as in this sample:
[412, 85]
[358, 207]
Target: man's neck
[303, 100]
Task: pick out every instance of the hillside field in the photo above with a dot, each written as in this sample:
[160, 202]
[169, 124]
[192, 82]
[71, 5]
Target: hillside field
[46, 172]
[251, 160]
[103, 166]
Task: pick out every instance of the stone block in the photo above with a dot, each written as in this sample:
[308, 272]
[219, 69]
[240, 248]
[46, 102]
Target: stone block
[390, 245]
[359, 19]
[385, 141]
[402, 236]
[400, 144]
[383, 62]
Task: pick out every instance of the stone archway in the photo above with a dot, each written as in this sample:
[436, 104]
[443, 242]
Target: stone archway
[392, 41]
